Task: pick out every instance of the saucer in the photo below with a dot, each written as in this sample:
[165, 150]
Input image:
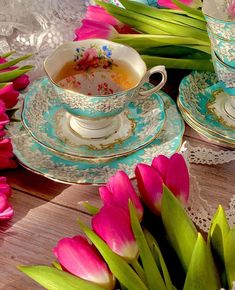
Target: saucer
[39, 159]
[208, 136]
[49, 124]
[202, 99]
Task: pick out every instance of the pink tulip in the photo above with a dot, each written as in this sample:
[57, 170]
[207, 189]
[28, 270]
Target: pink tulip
[100, 14]
[6, 153]
[21, 82]
[2, 60]
[112, 224]
[231, 9]
[4, 187]
[150, 186]
[9, 95]
[171, 5]
[3, 116]
[118, 191]
[172, 172]
[82, 259]
[7, 212]
[95, 29]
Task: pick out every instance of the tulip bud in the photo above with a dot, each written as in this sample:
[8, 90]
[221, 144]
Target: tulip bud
[82, 259]
[113, 225]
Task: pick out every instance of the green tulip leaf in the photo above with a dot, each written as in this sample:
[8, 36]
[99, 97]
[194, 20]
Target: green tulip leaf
[218, 231]
[14, 61]
[190, 10]
[54, 279]
[2, 85]
[152, 273]
[120, 268]
[13, 74]
[229, 256]
[7, 54]
[180, 229]
[156, 252]
[202, 273]
[91, 209]
[56, 265]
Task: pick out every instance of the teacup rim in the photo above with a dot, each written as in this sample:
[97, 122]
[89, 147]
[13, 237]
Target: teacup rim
[216, 18]
[95, 96]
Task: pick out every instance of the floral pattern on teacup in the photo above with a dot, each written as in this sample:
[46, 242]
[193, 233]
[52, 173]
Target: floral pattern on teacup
[93, 56]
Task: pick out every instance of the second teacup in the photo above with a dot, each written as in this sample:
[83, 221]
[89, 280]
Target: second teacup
[95, 80]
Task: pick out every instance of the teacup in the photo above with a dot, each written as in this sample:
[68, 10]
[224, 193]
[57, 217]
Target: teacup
[225, 49]
[95, 96]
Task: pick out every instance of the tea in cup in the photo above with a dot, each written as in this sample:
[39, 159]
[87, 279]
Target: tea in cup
[95, 80]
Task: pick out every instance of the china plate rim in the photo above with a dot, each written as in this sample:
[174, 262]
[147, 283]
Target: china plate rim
[65, 154]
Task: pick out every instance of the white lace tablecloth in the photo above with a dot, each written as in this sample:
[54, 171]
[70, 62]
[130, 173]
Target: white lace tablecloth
[39, 26]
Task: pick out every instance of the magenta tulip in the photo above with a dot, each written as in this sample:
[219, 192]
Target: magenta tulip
[82, 259]
[118, 191]
[9, 95]
[113, 225]
[171, 5]
[6, 154]
[150, 186]
[21, 82]
[4, 187]
[95, 29]
[172, 172]
[6, 212]
[100, 14]
[3, 116]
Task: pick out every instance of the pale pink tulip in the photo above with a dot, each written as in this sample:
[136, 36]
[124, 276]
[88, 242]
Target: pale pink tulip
[82, 259]
[172, 172]
[171, 5]
[118, 191]
[113, 225]
[150, 186]
[9, 95]
[6, 153]
[95, 29]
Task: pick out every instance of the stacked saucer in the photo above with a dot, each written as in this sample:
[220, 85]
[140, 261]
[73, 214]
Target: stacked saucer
[200, 101]
[45, 143]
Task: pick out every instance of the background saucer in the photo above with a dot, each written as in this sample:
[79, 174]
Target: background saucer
[48, 123]
[41, 160]
[197, 95]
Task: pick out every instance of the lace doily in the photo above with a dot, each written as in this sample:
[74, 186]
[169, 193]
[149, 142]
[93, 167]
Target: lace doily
[199, 210]
[38, 27]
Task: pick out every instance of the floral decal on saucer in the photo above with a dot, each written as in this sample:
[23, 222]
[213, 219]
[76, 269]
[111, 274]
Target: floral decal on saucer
[94, 56]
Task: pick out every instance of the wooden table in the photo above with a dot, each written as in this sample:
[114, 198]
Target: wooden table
[46, 211]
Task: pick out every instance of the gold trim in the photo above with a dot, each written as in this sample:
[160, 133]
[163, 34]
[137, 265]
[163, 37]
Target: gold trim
[213, 110]
[182, 108]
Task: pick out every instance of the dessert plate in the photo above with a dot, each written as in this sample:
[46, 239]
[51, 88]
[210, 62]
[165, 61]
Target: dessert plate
[49, 124]
[202, 98]
[39, 159]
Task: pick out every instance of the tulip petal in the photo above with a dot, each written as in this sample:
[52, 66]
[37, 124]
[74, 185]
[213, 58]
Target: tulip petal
[7, 213]
[112, 224]
[80, 258]
[21, 82]
[95, 29]
[118, 191]
[120, 268]
[150, 186]
[3, 201]
[9, 95]
[4, 187]
[100, 14]
[161, 163]
[177, 178]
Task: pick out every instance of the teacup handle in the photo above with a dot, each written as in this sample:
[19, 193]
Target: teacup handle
[156, 69]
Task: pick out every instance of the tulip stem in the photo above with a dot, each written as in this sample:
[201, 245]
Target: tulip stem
[139, 270]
